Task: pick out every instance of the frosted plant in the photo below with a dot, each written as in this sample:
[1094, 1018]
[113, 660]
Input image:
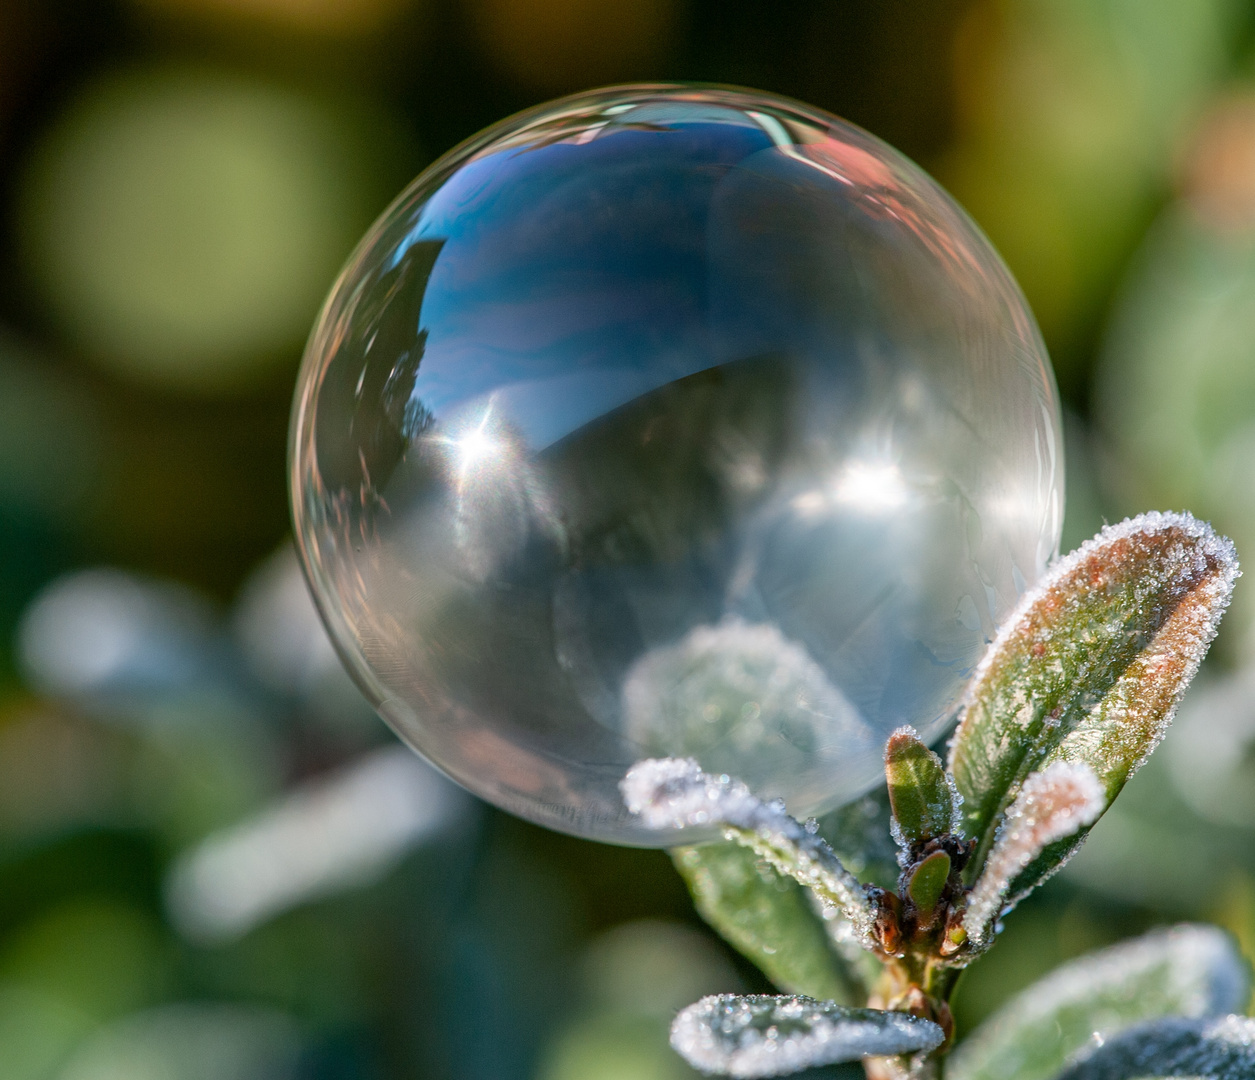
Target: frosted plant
[1187, 971]
[1071, 698]
[1052, 805]
[670, 793]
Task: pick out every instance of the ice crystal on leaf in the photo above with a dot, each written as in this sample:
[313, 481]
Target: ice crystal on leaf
[761, 1035]
[1073, 695]
[1052, 805]
[1091, 665]
[674, 793]
[925, 802]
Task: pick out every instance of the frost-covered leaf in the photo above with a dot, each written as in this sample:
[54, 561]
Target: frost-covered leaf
[674, 793]
[1092, 663]
[766, 917]
[1052, 805]
[1222, 1048]
[1189, 971]
[923, 801]
[760, 1035]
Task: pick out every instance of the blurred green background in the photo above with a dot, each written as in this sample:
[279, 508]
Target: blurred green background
[215, 863]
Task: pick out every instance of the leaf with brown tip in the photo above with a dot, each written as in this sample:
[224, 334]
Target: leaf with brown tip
[1091, 665]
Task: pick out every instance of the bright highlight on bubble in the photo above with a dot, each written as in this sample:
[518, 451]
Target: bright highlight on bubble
[671, 422]
[874, 488]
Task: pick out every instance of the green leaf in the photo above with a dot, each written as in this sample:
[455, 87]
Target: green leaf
[923, 804]
[1218, 1049]
[1190, 971]
[1091, 665]
[928, 881]
[1052, 807]
[674, 793]
[766, 917]
[759, 1035]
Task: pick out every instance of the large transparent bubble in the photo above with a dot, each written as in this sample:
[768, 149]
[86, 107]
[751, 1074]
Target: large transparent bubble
[671, 421]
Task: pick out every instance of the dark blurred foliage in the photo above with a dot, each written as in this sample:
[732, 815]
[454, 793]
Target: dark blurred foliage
[479, 946]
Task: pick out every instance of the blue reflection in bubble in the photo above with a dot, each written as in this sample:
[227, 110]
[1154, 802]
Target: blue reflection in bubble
[671, 421]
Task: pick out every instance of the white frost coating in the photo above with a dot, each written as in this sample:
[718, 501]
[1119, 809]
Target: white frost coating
[1052, 804]
[674, 793]
[954, 811]
[956, 807]
[761, 1035]
[1208, 544]
[1188, 970]
[1222, 1048]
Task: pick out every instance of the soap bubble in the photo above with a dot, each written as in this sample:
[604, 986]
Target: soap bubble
[671, 421]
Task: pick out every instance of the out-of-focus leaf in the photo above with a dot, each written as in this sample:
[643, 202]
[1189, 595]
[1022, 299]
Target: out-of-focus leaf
[1092, 664]
[764, 916]
[202, 1041]
[612, 1046]
[923, 804]
[1217, 1049]
[1189, 971]
[1181, 427]
[37, 1031]
[760, 1035]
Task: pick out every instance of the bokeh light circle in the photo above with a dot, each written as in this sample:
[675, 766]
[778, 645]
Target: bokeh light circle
[671, 420]
[180, 225]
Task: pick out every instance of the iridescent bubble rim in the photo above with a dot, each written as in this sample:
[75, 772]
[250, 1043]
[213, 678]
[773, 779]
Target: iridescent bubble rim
[482, 228]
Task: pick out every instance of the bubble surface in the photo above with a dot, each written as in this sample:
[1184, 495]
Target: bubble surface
[671, 421]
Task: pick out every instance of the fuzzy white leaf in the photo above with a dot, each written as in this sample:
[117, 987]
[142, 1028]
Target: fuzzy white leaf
[1052, 804]
[761, 1035]
[1189, 970]
[674, 793]
[1222, 1048]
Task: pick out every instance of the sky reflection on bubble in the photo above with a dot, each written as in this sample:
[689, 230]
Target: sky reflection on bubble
[694, 388]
